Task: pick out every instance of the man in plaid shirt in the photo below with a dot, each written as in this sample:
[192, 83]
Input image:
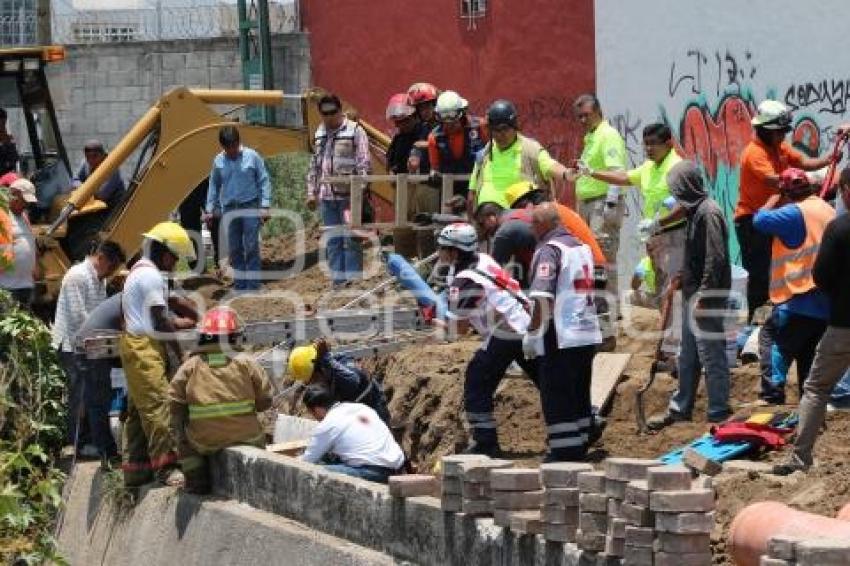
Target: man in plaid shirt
[89, 391]
[341, 147]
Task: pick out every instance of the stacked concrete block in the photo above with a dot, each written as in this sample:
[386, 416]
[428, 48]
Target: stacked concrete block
[560, 508]
[684, 517]
[475, 485]
[451, 489]
[513, 490]
[787, 551]
[413, 485]
[619, 473]
[593, 512]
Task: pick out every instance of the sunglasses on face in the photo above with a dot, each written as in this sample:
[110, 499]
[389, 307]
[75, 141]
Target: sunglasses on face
[328, 112]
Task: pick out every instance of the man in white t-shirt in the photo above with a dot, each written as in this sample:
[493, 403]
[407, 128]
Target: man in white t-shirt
[353, 435]
[148, 331]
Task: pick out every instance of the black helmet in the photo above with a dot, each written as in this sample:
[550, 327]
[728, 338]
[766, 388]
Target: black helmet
[502, 112]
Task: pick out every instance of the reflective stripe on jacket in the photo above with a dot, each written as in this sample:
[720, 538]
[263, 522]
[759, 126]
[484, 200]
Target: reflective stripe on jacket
[791, 269]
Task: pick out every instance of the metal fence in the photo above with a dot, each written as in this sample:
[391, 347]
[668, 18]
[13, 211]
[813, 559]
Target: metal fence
[18, 22]
[157, 20]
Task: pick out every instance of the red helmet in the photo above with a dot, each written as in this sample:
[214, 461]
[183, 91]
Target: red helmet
[794, 182]
[398, 107]
[422, 92]
[220, 321]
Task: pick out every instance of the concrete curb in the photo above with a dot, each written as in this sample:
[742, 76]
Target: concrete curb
[169, 527]
[413, 529]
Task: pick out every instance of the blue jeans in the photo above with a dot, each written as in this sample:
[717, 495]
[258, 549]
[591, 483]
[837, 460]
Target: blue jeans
[344, 253]
[97, 400]
[841, 391]
[370, 473]
[697, 353]
[243, 245]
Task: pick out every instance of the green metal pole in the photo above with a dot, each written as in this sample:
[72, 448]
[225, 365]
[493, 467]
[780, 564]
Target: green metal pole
[266, 57]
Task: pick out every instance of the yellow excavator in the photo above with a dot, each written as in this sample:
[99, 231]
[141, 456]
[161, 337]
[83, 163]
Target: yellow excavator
[173, 144]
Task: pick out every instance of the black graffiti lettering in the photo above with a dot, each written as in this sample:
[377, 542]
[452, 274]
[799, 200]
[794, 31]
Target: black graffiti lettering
[629, 128]
[727, 71]
[831, 96]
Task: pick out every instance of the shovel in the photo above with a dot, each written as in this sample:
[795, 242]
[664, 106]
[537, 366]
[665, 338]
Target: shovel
[640, 414]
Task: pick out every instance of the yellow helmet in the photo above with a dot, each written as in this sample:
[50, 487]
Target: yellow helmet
[517, 191]
[302, 362]
[174, 237]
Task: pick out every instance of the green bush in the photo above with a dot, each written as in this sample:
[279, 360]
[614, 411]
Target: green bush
[32, 416]
[288, 174]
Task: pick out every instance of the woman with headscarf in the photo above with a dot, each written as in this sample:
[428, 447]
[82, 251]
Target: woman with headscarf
[705, 279]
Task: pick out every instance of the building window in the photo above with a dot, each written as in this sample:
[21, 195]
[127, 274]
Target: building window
[104, 33]
[473, 8]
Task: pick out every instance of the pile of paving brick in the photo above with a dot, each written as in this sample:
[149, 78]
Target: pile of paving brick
[787, 551]
[631, 512]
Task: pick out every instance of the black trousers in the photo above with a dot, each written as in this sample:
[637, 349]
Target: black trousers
[755, 257]
[784, 339]
[483, 375]
[565, 376]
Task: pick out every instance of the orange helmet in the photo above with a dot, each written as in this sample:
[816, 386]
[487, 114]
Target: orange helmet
[220, 321]
[398, 107]
[422, 92]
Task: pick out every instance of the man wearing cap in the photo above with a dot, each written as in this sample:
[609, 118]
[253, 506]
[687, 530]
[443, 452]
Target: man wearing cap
[112, 189]
[762, 161]
[508, 158]
[20, 252]
[340, 148]
[801, 310]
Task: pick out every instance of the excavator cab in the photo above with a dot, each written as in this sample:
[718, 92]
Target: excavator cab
[31, 121]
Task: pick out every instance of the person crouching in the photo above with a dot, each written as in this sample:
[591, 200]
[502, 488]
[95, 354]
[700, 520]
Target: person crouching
[215, 397]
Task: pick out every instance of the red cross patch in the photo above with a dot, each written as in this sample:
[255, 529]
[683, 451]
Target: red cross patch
[544, 271]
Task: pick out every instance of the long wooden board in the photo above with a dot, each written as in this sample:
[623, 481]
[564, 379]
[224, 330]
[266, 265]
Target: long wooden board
[608, 367]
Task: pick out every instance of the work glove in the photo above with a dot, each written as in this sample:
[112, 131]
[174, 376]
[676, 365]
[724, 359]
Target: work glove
[648, 227]
[532, 345]
[322, 347]
[435, 179]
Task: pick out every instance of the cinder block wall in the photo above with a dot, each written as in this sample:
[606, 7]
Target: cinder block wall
[101, 90]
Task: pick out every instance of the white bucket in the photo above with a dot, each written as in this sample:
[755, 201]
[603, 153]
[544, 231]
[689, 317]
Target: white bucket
[738, 314]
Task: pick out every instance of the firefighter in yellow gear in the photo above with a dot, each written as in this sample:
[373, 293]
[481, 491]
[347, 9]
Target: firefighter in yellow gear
[215, 398]
[149, 329]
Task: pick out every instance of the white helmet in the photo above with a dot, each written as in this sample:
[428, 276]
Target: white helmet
[459, 235]
[450, 105]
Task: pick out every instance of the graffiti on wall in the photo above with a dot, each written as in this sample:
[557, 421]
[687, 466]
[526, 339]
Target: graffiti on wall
[709, 104]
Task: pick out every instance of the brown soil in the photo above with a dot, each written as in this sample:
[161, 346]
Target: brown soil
[424, 386]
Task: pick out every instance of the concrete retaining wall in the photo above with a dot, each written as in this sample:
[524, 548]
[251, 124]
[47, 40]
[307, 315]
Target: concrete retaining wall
[168, 527]
[413, 529]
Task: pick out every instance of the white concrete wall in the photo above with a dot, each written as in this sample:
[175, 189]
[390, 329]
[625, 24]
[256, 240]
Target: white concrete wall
[704, 66]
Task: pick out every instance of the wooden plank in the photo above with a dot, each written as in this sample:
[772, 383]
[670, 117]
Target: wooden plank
[608, 367]
[356, 203]
[289, 448]
[401, 201]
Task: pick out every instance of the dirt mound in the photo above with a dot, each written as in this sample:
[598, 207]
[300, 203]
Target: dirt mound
[424, 385]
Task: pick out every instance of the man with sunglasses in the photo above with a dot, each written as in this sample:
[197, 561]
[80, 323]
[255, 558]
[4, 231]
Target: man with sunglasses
[454, 144]
[508, 159]
[341, 147]
[112, 190]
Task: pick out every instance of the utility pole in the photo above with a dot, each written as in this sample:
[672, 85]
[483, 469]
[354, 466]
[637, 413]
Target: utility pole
[255, 50]
[43, 27]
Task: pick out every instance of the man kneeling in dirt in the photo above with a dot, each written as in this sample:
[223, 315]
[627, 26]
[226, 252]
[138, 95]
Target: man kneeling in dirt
[350, 439]
[215, 398]
[346, 381]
